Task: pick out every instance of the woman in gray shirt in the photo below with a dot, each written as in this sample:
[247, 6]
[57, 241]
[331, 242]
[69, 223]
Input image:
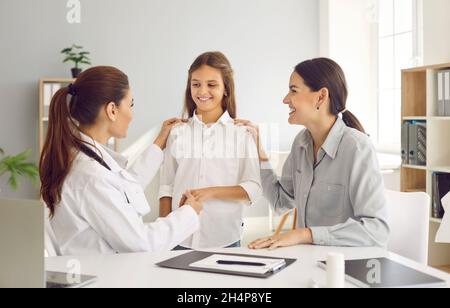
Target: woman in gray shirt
[332, 175]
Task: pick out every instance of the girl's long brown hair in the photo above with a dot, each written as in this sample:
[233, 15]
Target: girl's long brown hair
[78, 104]
[325, 73]
[219, 61]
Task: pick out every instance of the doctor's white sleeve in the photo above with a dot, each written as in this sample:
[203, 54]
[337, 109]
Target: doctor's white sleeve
[249, 174]
[168, 170]
[106, 210]
[147, 165]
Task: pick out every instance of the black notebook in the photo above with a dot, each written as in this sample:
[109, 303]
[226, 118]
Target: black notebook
[385, 273]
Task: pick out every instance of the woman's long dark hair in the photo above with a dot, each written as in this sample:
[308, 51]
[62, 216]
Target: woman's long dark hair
[322, 73]
[77, 104]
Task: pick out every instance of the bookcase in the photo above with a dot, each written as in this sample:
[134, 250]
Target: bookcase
[47, 88]
[420, 103]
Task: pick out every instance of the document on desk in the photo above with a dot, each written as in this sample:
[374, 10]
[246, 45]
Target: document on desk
[240, 264]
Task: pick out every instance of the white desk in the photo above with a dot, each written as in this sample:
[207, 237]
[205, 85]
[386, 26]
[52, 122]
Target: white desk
[139, 270]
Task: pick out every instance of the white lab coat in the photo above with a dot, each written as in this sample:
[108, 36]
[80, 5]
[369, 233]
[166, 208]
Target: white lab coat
[101, 210]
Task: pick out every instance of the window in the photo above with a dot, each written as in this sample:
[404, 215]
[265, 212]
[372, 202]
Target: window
[398, 48]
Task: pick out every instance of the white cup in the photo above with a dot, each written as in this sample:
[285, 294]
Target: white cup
[335, 270]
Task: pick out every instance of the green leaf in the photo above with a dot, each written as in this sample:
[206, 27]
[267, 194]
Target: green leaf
[13, 180]
[17, 166]
[22, 156]
[66, 50]
[85, 62]
[3, 168]
[84, 53]
[1, 151]
[77, 46]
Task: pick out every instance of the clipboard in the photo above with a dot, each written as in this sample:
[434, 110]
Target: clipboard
[183, 262]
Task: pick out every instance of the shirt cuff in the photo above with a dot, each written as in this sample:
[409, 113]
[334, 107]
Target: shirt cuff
[191, 215]
[253, 190]
[165, 191]
[157, 153]
[321, 236]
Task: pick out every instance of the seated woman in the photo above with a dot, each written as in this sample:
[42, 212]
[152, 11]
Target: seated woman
[331, 175]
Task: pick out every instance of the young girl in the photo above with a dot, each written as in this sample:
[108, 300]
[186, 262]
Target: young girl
[211, 157]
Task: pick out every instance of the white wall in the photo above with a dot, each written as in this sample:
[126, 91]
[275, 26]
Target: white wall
[348, 35]
[436, 26]
[154, 42]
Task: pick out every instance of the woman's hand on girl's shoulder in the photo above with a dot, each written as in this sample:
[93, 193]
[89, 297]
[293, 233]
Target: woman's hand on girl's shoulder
[167, 126]
[253, 129]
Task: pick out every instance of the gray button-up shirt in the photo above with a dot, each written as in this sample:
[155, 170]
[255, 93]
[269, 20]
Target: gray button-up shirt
[341, 198]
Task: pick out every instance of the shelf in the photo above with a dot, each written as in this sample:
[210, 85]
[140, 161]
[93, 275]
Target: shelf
[414, 118]
[420, 103]
[415, 167]
[434, 118]
[45, 119]
[444, 268]
[436, 220]
[439, 118]
[444, 169]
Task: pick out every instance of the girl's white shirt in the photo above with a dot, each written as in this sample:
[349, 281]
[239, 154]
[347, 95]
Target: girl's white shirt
[200, 156]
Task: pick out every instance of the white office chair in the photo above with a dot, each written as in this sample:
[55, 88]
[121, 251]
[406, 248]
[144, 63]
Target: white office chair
[51, 247]
[409, 224]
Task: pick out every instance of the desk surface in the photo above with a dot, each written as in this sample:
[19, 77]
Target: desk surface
[139, 270]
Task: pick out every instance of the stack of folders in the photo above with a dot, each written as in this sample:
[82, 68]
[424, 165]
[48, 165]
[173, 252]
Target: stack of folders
[441, 187]
[443, 93]
[414, 143]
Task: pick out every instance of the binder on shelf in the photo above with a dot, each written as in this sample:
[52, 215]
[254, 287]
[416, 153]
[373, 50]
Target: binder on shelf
[447, 93]
[417, 144]
[405, 143]
[422, 144]
[47, 98]
[441, 187]
[440, 94]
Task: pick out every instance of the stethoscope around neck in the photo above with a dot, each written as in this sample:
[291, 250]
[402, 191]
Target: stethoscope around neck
[89, 152]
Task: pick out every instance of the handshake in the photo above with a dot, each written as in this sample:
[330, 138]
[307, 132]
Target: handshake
[193, 199]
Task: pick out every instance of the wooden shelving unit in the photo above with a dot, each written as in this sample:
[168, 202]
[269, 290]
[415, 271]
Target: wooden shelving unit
[47, 88]
[419, 103]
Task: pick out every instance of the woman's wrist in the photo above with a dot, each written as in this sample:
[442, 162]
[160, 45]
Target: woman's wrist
[306, 236]
[263, 156]
[160, 142]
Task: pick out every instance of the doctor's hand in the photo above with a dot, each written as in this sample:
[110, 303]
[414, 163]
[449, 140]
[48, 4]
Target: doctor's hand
[291, 238]
[167, 126]
[253, 129]
[190, 200]
[201, 195]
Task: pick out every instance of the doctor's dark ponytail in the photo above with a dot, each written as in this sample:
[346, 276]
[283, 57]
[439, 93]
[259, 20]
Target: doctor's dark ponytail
[325, 73]
[74, 105]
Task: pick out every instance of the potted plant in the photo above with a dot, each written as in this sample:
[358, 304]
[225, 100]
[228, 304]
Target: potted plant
[77, 56]
[17, 166]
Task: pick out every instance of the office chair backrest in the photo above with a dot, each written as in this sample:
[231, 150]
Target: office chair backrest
[409, 224]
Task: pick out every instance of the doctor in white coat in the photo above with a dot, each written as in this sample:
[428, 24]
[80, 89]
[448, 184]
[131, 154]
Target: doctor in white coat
[95, 200]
